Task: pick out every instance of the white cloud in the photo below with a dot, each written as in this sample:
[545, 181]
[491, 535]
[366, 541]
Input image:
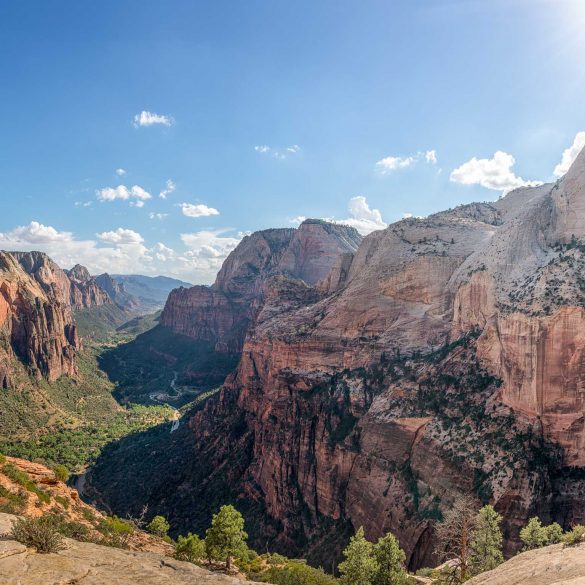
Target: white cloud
[200, 210]
[123, 251]
[492, 173]
[297, 220]
[35, 233]
[146, 118]
[158, 216]
[121, 236]
[431, 156]
[169, 188]
[124, 193]
[395, 163]
[279, 153]
[137, 203]
[570, 154]
[362, 218]
[83, 203]
[120, 172]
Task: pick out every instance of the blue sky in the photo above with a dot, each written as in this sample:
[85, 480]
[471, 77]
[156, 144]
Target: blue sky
[267, 111]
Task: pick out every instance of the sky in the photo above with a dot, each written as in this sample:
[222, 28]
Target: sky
[149, 137]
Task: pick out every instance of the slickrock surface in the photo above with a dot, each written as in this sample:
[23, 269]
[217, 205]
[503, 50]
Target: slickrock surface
[92, 564]
[552, 565]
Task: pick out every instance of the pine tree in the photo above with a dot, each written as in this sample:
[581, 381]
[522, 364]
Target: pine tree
[455, 535]
[159, 526]
[486, 547]
[390, 558]
[533, 535]
[554, 533]
[226, 538]
[359, 566]
[190, 548]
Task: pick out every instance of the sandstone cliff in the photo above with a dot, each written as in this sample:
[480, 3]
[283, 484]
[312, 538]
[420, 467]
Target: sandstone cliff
[221, 314]
[36, 321]
[445, 355]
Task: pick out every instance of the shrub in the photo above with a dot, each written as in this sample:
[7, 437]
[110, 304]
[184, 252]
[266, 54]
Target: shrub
[21, 478]
[68, 528]
[61, 472]
[62, 501]
[554, 533]
[158, 526]
[39, 533]
[116, 531]
[14, 503]
[533, 535]
[575, 536]
[2, 459]
[190, 548]
[296, 573]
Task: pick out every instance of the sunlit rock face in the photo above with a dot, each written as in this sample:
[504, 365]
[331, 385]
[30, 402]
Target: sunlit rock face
[36, 321]
[442, 356]
[221, 314]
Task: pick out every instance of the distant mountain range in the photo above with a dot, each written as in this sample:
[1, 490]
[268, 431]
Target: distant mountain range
[154, 289]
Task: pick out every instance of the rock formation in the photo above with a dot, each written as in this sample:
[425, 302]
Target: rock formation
[221, 314]
[36, 320]
[144, 560]
[445, 355]
[551, 565]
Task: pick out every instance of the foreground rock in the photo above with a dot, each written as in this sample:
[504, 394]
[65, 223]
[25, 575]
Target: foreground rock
[552, 565]
[91, 564]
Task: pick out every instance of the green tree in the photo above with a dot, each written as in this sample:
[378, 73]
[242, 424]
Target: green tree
[359, 566]
[390, 559]
[190, 548]
[486, 547]
[159, 526]
[61, 472]
[533, 535]
[554, 533]
[226, 538]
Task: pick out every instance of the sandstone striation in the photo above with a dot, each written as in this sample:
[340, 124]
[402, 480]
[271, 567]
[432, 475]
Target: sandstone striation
[36, 320]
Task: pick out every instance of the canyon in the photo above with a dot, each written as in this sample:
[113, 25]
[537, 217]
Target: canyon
[370, 381]
[440, 356]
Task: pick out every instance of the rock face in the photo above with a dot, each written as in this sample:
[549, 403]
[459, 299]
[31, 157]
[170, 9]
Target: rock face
[552, 565]
[444, 356]
[36, 321]
[116, 292]
[221, 314]
[85, 292]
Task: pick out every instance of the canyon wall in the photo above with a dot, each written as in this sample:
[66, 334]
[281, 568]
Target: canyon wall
[443, 356]
[36, 320]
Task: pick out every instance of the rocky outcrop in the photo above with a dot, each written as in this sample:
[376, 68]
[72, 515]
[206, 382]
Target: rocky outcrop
[221, 314]
[85, 292]
[84, 563]
[551, 565]
[36, 321]
[145, 558]
[116, 292]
